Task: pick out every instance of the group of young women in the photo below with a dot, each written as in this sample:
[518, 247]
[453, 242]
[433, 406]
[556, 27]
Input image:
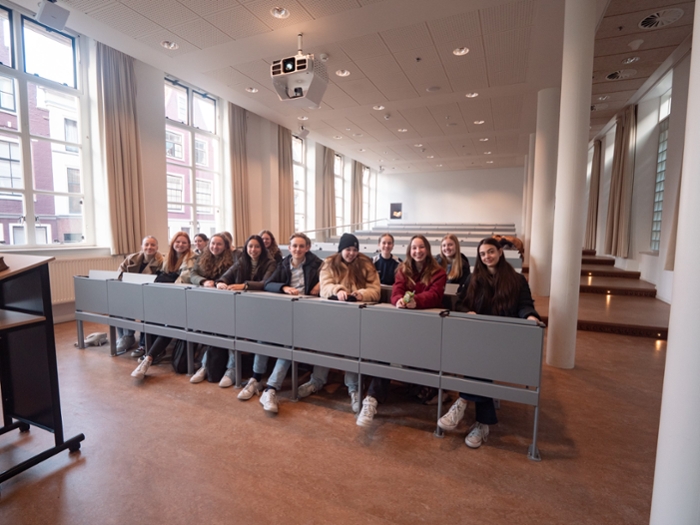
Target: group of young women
[418, 282]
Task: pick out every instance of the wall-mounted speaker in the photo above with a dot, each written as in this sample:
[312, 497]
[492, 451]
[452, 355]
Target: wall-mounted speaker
[52, 15]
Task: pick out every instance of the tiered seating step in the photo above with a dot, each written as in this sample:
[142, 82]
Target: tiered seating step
[595, 270]
[588, 252]
[595, 259]
[617, 286]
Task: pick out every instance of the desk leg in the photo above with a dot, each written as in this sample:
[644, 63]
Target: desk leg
[81, 335]
[533, 452]
[295, 380]
[239, 370]
[190, 358]
[112, 341]
[438, 431]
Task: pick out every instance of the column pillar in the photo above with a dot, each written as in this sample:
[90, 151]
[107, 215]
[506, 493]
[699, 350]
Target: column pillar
[569, 217]
[527, 229]
[677, 474]
[545, 179]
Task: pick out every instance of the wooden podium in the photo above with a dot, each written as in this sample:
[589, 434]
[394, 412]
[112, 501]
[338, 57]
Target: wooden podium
[28, 372]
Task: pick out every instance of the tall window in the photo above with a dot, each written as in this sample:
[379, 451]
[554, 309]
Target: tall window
[192, 152]
[299, 169]
[659, 186]
[42, 180]
[369, 197]
[340, 193]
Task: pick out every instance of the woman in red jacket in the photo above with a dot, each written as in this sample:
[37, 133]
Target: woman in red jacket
[424, 278]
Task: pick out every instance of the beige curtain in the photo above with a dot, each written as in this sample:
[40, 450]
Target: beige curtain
[286, 183]
[117, 107]
[239, 173]
[617, 232]
[356, 195]
[328, 194]
[592, 219]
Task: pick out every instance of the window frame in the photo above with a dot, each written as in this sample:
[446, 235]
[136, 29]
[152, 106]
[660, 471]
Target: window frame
[659, 182]
[25, 18]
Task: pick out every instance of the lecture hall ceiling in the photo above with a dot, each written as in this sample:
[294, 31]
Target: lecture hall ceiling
[400, 55]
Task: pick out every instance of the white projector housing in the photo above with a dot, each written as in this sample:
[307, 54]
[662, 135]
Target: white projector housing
[300, 80]
[52, 15]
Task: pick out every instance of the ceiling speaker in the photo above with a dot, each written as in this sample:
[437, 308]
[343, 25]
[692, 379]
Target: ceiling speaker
[52, 15]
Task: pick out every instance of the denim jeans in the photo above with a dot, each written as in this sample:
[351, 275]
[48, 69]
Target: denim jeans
[260, 364]
[121, 332]
[319, 376]
[278, 373]
[231, 363]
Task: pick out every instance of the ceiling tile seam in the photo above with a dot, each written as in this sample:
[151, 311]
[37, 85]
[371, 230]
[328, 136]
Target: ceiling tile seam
[162, 26]
[149, 33]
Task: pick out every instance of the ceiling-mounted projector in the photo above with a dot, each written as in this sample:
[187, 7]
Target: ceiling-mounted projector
[52, 15]
[300, 80]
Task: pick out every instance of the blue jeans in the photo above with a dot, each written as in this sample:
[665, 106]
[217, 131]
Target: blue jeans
[278, 373]
[231, 363]
[319, 376]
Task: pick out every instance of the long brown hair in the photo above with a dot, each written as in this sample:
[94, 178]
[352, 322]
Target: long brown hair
[245, 262]
[357, 272]
[213, 266]
[273, 250]
[495, 294]
[174, 260]
[409, 268]
[456, 269]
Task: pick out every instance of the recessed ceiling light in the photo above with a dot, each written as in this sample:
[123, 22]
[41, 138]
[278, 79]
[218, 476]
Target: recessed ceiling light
[483, 140]
[381, 160]
[378, 107]
[338, 137]
[489, 162]
[362, 149]
[402, 130]
[478, 122]
[343, 73]
[348, 129]
[621, 74]
[170, 46]
[357, 134]
[460, 51]
[280, 12]
[487, 153]
[385, 152]
[418, 145]
[303, 117]
[471, 95]
[430, 157]
[439, 165]
[451, 123]
[603, 97]
[433, 89]
[251, 90]
[630, 60]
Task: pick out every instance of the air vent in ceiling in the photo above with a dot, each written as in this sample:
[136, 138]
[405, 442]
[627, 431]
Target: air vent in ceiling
[661, 19]
[621, 74]
[599, 107]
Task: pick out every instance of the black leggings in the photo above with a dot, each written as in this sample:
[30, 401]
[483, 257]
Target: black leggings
[157, 348]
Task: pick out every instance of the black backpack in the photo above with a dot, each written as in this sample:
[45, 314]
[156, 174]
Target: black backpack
[179, 360]
[217, 358]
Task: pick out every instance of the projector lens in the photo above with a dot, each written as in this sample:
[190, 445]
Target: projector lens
[288, 65]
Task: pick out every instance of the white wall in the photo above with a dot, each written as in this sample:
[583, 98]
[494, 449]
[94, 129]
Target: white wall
[494, 195]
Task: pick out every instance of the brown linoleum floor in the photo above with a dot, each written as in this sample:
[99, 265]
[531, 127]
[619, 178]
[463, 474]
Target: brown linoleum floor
[165, 451]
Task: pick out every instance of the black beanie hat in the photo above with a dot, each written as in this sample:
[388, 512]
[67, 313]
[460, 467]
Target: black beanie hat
[348, 240]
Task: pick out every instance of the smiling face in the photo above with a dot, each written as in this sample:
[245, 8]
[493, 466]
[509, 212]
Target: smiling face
[181, 245]
[386, 245]
[200, 243]
[448, 248]
[490, 255]
[418, 250]
[216, 245]
[254, 249]
[298, 248]
[267, 240]
[149, 246]
[349, 254]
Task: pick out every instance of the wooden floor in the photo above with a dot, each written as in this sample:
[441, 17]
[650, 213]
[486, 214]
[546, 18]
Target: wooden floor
[164, 451]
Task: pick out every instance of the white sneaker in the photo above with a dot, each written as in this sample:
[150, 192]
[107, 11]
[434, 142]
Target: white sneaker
[229, 378]
[199, 376]
[250, 390]
[125, 342]
[478, 434]
[456, 413]
[369, 409]
[306, 389]
[141, 370]
[355, 401]
[269, 401]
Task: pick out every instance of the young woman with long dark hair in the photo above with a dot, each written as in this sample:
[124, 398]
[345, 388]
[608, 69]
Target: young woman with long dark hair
[494, 288]
[271, 245]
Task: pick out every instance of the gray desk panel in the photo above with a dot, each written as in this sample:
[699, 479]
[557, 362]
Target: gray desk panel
[327, 326]
[210, 310]
[263, 349]
[125, 299]
[124, 323]
[93, 318]
[91, 295]
[265, 317]
[480, 388]
[221, 342]
[405, 337]
[165, 304]
[415, 377]
[500, 349]
[312, 358]
[165, 331]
